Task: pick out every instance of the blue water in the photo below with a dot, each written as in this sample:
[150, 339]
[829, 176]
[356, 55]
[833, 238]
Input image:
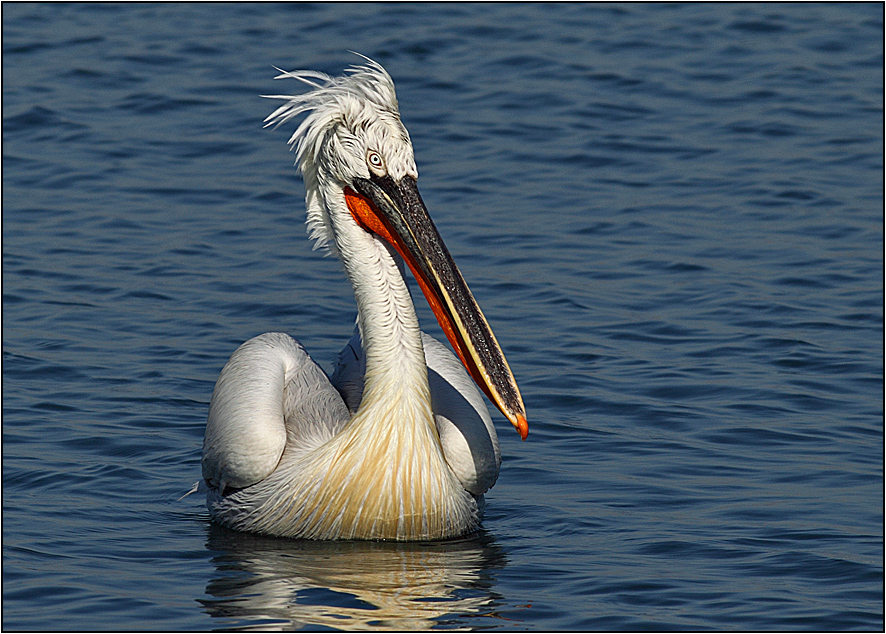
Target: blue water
[672, 217]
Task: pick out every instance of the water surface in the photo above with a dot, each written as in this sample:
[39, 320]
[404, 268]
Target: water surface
[672, 217]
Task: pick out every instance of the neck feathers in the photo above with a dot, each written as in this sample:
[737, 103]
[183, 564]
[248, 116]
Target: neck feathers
[384, 475]
[388, 475]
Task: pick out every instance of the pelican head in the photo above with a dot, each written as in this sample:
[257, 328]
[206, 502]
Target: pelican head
[360, 177]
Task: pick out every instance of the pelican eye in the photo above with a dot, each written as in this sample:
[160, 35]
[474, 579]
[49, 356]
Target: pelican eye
[375, 161]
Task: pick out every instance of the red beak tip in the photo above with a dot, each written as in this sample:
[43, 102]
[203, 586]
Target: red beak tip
[522, 427]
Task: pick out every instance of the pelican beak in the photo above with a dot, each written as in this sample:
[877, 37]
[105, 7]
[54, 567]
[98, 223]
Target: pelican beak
[394, 210]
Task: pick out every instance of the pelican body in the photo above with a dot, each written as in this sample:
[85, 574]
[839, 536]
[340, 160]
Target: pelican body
[398, 443]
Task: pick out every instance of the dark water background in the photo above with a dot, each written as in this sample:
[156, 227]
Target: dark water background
[671, 215]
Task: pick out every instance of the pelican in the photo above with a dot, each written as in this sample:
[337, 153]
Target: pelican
[398, 443]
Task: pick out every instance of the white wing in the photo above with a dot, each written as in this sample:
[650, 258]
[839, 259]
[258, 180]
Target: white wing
[270, 397]
[467, 434]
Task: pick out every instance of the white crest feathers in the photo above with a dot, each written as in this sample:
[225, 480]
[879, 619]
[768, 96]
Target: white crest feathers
[345, 116]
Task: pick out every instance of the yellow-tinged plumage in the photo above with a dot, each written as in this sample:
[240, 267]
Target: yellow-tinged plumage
[377, 479]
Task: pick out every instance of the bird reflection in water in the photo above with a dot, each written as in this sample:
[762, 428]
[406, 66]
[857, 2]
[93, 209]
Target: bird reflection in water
[277, 583]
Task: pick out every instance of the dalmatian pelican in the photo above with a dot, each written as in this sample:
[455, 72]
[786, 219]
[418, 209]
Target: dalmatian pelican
[398, 443]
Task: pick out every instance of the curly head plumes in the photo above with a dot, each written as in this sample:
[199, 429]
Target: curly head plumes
[347, 117]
